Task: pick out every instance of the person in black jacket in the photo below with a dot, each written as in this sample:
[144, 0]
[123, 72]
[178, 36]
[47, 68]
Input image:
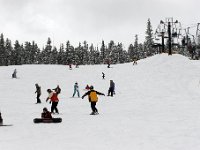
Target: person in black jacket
[57, 89]
[1, 119]
[38, 91]
[111, 89]
[92, 97]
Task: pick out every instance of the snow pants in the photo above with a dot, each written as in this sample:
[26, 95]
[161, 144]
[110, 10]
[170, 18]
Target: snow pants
[93, 106]
[54, 107]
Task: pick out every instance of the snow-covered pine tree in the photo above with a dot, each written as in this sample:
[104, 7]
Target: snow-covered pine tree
[17, 53]
[2, 51]
[149, 39]
[46, 52]
[102, 51]
[9, 49]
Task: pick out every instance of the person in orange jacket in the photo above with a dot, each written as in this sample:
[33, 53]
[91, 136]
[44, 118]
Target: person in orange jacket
[53, 96]
[92, 97]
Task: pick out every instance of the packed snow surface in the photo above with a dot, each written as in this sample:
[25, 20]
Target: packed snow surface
[156, 106]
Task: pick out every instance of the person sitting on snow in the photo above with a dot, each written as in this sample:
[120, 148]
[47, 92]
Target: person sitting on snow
[46, 114]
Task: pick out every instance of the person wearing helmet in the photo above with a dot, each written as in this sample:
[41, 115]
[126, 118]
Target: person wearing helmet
[46, 114]
[92, 97]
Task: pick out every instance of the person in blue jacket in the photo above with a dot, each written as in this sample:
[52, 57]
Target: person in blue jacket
[76, 90]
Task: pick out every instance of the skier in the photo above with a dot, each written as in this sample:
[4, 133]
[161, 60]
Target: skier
[46, 114]
[53, 96]
[134, 61]
[1, 119]
[92, 97]
[38, 91]
[87, 87]
[57, 89]
[76, 89]
[103, 75]
[111, 88]
[108, 63]
[14, 75]
[70, 66]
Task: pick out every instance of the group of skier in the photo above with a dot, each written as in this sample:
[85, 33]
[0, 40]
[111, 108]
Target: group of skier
[54, 100]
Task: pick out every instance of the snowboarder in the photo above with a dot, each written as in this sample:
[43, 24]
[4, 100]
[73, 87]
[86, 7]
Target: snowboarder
[38, 91]
[46, 114]
[1, 119]
[14, 75]
[57, 89]
[53, 96]
[111, 88]
[92, 97]
[76, 89]
[103, 75]
[46, 117]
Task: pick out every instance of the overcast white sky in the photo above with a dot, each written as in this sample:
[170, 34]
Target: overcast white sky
[90, 20]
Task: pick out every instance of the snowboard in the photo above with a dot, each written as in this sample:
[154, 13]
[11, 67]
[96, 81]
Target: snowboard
[52, 120]
[1, 125]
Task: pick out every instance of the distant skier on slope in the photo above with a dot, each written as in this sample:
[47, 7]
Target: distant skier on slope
[103, 75]
[70, 66]
[53, 96]
[14, 75]
[76, 90]
[92, 97]
[111, 89]
[134, 61]
[87, 87]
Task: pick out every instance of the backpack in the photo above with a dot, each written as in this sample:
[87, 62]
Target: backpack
[93, 96]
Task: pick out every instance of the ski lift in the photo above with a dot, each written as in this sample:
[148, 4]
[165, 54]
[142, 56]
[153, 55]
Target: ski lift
[155, 45]
[174, 34]
[175, 44]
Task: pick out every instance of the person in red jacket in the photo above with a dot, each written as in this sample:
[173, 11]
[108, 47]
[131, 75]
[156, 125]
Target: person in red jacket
[53, 96]
[46, 114]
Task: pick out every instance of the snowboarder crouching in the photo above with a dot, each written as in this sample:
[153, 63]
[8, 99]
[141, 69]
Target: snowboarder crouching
[92, 97]
[46, 114]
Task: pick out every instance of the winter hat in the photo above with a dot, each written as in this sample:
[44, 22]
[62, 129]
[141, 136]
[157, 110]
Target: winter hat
[91, 87]
[44, 109]
[49, 90]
